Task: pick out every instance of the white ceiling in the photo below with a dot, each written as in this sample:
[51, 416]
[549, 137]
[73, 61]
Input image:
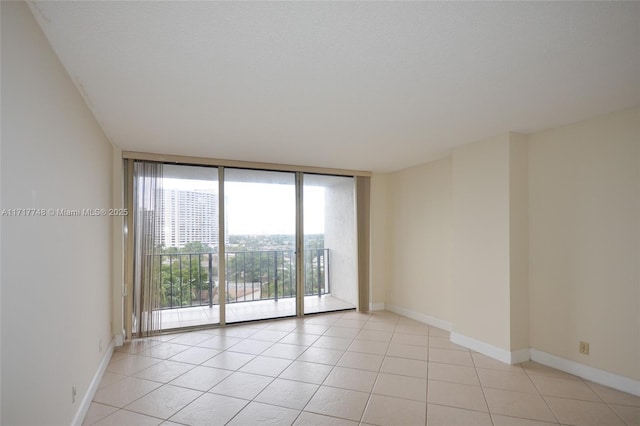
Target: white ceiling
[358, 85]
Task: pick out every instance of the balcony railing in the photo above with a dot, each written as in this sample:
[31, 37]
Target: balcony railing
[191, 279]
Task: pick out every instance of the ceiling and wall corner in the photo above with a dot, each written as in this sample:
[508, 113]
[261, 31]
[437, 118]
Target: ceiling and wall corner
[352, 85]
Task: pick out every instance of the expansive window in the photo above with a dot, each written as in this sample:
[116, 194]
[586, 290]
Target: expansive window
[216, 245]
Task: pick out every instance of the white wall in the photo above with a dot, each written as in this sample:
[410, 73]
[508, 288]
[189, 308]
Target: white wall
[1, 206]
[458, 238]
[480, 218]
[546, 241]
[519, 241]
[585, 241]
[419, 205]
[56, 271]
[117, 314]
[379, 240]
[340, 237]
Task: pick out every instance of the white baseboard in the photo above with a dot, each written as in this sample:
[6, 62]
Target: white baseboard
[376, 306]
[427, 319]
[615, 381]
[596, 375]
[508, 357]
[83, 408]
[119, 339]
[521, 355]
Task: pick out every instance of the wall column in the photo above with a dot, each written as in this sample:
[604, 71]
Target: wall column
[489, 217]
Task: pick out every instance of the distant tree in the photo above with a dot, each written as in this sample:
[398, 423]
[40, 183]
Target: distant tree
[169, 250]
[250, 259]
[183, 278]
[196, 247]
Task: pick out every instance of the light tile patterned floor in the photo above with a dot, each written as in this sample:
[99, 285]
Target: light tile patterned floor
[340, 369]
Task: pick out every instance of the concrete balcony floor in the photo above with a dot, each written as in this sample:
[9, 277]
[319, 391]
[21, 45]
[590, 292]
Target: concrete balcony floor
[248, 311]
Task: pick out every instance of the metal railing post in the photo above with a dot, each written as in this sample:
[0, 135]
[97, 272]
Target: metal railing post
[210, 280]
[252, 276]
[292, 273]
[244, 277]
[275, 280]
[319, 273]
[235, 257]
[180, 278]
[190, 283]
[171, 278]
[327, 280]
[228, 275]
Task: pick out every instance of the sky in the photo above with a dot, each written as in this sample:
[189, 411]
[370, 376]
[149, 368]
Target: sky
[262, 208]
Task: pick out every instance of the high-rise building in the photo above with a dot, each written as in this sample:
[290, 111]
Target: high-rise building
[187, 216]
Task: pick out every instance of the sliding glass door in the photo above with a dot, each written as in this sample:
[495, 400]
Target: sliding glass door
[260, 244]
[218, 245]
[175, 223]
[330, 243]
[189, 240]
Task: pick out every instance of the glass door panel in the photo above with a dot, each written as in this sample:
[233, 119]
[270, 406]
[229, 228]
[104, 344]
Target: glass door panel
[330, 243]
[260, 259]
[187, 241]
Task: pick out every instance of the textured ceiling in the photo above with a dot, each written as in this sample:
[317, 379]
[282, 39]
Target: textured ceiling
[359, 85]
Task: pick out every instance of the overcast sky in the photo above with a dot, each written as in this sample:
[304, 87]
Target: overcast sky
[262, 208]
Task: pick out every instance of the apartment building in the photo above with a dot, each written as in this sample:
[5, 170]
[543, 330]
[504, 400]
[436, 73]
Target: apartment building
[188, 216]
[521, 241]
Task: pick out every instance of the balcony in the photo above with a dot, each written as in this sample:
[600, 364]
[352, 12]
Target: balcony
[259, 284]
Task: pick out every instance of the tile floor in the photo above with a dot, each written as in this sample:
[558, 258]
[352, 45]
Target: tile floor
[248, 311]
[340, 369]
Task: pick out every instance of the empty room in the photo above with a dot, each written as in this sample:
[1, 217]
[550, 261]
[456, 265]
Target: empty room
[319, 213]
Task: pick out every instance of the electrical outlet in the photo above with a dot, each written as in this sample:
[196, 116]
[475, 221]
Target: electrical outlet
[584, 348]
[73, 393]
[100, 346]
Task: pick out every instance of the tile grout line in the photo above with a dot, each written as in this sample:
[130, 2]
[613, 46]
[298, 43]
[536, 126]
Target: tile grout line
[542, 396]
[252, 400]
[366, 406]
[607, 404]
[426, 405]
[324, 380]
[193, 366]
[145, 345]
[484, 396]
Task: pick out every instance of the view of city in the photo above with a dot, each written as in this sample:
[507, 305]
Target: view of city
[259, 252]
